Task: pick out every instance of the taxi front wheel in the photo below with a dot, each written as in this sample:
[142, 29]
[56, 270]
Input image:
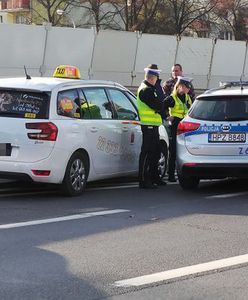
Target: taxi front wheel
[162, 163]
[76, 175]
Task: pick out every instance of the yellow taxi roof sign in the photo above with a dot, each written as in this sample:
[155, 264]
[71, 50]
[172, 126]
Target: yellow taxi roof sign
[66, 71]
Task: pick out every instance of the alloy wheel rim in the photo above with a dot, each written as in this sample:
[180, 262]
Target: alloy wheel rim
[161, 165]
[77, 175]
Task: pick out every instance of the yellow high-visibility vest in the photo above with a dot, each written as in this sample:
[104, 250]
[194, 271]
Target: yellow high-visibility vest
[180, 109]
[148, 116]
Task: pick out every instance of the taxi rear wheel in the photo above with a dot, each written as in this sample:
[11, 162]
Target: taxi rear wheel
[188, 183]
[76, 175]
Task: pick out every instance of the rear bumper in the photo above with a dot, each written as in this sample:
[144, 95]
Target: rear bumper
[55, 163]
[215, 170]
[16, 176]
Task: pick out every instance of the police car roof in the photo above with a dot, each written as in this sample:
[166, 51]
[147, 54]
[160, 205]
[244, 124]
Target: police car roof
[47, 84]
[230, 91]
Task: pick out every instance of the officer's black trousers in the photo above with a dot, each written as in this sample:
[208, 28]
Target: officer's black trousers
[149, 155]
[172, 147]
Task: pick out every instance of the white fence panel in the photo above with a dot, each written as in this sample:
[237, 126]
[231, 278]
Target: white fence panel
[228, 61]
[155, 49]
[114, 56]
[69, 46]
[21, 45]
[245, 74]
[118, 56]
[195, 57]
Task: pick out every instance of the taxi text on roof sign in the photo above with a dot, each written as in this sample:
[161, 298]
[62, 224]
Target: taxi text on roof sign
[64, 71]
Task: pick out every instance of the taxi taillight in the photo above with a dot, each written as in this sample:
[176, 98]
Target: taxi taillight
[46, 131]
[41, 172]
[184, 127]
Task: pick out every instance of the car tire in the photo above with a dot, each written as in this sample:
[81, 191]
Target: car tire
[188, 183]
[76, 175]
[162, 164]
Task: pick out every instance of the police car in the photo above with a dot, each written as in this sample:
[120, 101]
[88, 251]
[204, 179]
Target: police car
[212, 140]
[68, 131]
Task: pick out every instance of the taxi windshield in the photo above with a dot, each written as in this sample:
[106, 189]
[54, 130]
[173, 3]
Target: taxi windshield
[228, 108]
[24, 104]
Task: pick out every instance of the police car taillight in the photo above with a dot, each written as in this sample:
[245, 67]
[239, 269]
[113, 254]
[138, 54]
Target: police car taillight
[46, 131]
[184, 127]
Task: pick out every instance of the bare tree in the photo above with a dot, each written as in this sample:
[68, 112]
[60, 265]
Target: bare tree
[136, 14]
[46, 10]
[102, 13]
[185, 12]
[232, 14]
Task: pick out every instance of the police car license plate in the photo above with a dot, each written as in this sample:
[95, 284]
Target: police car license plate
[227, 137]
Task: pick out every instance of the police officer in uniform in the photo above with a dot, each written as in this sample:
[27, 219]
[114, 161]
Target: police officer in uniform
[168, 85]
[179, 103]
[150, 109]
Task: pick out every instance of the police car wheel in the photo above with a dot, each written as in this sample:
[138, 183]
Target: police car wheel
[76, 175]
[188, 183]
[162, 164]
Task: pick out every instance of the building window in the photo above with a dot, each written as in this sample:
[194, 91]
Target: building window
[20, 19]
[4, 4]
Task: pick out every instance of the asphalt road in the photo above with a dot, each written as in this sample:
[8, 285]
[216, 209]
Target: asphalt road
[54, 247]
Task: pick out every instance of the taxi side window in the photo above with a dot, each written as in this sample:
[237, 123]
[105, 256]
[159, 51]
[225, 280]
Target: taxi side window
[123, 106]
[98, 103]
[68, 104]
[84, 106]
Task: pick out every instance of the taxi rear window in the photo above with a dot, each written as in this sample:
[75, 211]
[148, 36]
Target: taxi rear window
[228, 108]
[24, 104]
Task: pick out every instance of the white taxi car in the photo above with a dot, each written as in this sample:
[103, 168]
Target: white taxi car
[69, 131]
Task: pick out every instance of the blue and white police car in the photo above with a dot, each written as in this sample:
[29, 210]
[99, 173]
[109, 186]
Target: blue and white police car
[212, 140]
[68, 131]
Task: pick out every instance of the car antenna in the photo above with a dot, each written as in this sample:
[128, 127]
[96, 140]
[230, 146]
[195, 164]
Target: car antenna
[26, 73]
[241, 82]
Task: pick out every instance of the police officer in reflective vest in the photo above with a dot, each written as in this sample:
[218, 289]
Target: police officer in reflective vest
[179, 103]
[150, 109]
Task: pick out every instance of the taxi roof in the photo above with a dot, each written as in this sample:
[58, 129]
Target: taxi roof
[47, 84]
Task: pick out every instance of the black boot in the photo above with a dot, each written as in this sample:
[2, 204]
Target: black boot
[160, 182]
[147, 185]
[172, 178]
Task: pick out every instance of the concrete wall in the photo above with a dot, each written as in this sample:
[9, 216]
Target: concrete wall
[118, 56]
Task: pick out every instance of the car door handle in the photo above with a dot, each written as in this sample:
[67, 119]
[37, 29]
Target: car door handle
[125, 128]
[93, 129]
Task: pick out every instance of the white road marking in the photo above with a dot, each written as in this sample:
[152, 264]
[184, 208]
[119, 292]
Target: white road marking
[19, 192]
[113, 187]
[61, 219]
[134, 185]
[227, 195]
[183, 272]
